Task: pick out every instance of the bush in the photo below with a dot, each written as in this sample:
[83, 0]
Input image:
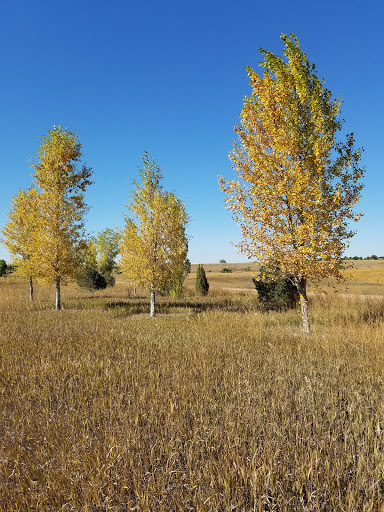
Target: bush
[3, 267]
[226, 270]
[110, 280]
[275, 291]
[201, 285]
[223, 261]
[91, 279]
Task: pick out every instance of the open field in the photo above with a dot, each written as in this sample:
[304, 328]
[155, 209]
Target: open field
[210, 406]
[364, 277]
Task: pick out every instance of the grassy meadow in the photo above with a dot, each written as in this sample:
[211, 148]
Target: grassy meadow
[213, 405]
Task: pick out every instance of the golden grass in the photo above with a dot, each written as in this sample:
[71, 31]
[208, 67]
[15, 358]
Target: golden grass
[360, 281]
[367, 275]
[210, 406]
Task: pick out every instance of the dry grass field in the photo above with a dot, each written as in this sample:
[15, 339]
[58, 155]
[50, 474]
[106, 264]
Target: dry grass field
[212, 405]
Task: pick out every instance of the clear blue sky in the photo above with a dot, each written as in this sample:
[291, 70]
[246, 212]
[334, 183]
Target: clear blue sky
[169, 77]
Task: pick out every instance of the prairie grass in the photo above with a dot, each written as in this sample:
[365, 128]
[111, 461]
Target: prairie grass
[210, 406]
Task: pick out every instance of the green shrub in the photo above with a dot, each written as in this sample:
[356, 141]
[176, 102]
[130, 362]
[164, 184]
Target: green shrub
[275, 291]
[201, 285]
[3, 267]
[91, 279]
[226, 270]
[110, 280]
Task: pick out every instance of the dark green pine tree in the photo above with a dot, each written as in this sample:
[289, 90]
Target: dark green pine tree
[201, 285]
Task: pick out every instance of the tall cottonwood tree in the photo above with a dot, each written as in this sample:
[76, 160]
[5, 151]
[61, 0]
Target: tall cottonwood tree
[59, 243]
[153, 243]
[297, 185]
[20, 232]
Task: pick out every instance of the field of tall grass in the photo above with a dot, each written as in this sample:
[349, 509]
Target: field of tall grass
[212, 405]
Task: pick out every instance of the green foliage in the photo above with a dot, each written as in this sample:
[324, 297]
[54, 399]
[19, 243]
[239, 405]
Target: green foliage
[176, 289]
[201, 285]
[226, 270]
[109, 279]
[3, 267]
[223, 261]
[99, 258]
[107, 247]
[275, 291]
[91, 279]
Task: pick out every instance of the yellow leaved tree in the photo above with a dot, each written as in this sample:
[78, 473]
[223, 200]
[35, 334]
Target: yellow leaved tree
[20, 232]
[153, 244]
[59, 243]
[297, 185]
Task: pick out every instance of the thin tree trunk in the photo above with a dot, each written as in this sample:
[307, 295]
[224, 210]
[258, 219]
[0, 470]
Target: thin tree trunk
[30, 289]
[134, 287]
[58, 296]
[153, 302]
[302, 289]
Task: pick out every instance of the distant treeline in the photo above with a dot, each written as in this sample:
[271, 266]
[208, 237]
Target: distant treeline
[373, 257]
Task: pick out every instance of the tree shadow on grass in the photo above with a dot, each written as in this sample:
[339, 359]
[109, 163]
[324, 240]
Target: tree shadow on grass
[129, 307]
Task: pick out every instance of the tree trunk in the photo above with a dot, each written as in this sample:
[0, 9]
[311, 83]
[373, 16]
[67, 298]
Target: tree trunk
[302, 289]
[30, 289]
[58, 296]
[134, 287]
[153, 302]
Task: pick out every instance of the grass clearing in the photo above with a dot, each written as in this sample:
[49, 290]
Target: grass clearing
[212, 405]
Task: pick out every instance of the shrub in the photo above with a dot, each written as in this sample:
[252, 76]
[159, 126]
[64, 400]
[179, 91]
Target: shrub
[201, 285]
[3, 267]
[91, 279]
[223, 261]
[226, 270]
[110, 280]
[275, 291]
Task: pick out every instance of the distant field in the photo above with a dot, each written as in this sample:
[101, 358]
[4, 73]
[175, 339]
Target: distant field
[211, 406]
[235, 267]
[364, 277]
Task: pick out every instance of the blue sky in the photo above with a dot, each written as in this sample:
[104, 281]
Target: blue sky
[169, 77]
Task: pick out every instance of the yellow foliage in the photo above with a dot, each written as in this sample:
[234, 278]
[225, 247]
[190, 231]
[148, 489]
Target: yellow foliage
[153, 244]
[59, 241]
[20, 232]
[297, 187]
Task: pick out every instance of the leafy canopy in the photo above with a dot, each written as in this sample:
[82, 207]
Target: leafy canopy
[60, 241]
[297, 186]
[21, 231]
[153, 245]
